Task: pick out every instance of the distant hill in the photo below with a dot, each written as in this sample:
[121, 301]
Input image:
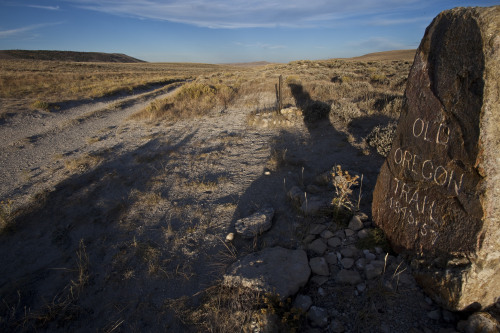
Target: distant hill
[388, 55]
[249, 64]
[67, 56]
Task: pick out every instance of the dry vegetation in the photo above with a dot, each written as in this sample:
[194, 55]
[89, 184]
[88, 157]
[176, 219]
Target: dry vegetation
[344, 88]
[44, 84]
[149, 244]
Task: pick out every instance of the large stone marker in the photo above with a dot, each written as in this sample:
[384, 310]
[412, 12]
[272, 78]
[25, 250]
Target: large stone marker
[438, 193]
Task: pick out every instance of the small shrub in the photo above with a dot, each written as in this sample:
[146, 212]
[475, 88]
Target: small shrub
[6, 214]
[375, 238]
[343, 183]
[41, 105]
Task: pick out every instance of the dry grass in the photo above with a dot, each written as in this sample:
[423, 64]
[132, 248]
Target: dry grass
[344, 89]
[44, 83]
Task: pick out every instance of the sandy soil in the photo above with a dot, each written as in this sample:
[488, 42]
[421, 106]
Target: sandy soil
[121, 216]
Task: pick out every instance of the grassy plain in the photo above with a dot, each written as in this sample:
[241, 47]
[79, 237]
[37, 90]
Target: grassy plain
[42, 84]
[139, 227]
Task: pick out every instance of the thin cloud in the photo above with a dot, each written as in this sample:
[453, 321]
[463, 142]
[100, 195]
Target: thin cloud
[19, 32]
[244, 13]
[44, 7]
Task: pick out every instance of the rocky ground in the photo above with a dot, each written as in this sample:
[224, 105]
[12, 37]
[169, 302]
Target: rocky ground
[114, 223]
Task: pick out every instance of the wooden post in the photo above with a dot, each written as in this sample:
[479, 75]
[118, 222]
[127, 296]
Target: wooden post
[280, 101]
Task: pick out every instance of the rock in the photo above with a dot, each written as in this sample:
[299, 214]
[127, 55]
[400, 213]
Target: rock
[302, 302]
[355, 223]
[230, 237]
[348, 277]
[369, 256]
[448, 316]
[316, 228]
[347, 252]
[326, 234]
[275, 269]
[334, 242]
[347, 263]
[434, 315]
[479, 322]
[361, 287]
[340, 234]
[314, 205]
[256, 223]
[319, 279]
[436, 196]
[360, 264]
[319, 266]
[374, 269]
[318, 316]
[349, 232]
[363, 233]
[331, 258]
[318, 246]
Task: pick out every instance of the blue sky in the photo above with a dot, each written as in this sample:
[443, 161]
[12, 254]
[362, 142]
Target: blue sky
[219, 31]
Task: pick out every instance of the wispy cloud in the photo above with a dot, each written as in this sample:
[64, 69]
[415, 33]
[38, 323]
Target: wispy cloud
[244, 13]
[22, 31]
[44, 7]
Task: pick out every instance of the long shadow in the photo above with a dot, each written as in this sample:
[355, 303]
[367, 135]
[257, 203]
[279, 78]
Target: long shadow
[83, 226]
[306, 161]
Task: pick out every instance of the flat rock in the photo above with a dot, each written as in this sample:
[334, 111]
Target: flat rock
[277, 270]
[347, 276]
[318, 316]
[319, 266]
[334, 242]
[302, 302]
[437, 194]
[318, 246]
[355, 223]
[255, 224]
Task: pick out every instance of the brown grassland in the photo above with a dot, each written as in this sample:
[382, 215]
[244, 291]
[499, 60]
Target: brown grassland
[133, 223]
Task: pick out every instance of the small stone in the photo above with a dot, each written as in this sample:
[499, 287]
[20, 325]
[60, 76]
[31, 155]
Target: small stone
[331, 258]
[319, 266]
[321, 291]
[372, 271]
[370, 256]
[309, 238]
[347, 262]
[360, 263]
[319, 279]
[334, 242]
[362, 216]
[255, 224]
[378, 250]
[302, 302]
[326, 234]
[230, 237]
[355, 224]
[361, 287]
[316, 228]
[318, 246]
[363, 233]
[348, 277]
[267, 173]
[347, 252]
[340, 234]
[434, 315]
[336, 326]
[317, 316]
[349, 232]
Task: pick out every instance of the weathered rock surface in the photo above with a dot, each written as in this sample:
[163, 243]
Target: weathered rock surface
[256, 223]
[437, 195]
[277, 270]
